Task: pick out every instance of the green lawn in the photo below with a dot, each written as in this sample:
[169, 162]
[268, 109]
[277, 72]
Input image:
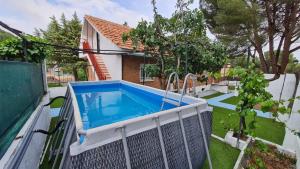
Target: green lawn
[267, 129]
[223, 156]
[213, 95]
[232, 100]
[57, 103]
[54, 85]
[45, 164]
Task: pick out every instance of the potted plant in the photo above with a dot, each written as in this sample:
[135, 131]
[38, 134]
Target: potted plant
[252, 92]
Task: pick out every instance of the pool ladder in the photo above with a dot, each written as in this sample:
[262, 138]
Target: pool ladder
[165, 98]
[178, 103]
[183, 92]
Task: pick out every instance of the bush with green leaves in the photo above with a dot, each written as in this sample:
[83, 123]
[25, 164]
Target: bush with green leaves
[253, 93]
[13, 49]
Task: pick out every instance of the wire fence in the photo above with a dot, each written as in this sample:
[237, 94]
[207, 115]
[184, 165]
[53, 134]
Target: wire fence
[59, 75]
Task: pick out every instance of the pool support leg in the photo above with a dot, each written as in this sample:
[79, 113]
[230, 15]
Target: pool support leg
[126, 152]
[185, 141]
[204, 138]
[162, 145]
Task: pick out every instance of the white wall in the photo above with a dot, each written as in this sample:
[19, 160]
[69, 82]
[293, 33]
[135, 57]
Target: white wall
[292, 121]
[276, 85]
[112, 62]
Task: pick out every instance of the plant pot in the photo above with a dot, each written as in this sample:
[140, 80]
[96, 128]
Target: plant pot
[236, 92]
[231, 140]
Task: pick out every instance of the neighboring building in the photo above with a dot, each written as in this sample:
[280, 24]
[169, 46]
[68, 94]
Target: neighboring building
[99, 34]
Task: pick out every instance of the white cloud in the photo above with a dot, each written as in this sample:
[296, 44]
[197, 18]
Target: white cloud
[36, 13]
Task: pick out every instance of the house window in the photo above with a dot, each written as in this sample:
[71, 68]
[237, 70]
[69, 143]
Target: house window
[147, 77]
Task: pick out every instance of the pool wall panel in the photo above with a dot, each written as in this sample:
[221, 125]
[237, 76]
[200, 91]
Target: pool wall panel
[107, 156]
[145, 151]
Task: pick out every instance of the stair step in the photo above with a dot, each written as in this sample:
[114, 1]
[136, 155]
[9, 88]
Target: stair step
[171, 102]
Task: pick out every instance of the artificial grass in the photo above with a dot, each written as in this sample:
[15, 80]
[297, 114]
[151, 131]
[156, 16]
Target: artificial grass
[213, 95]
[57, 103]
[222, 155]
[45, 164]
[267, 129]
[54, 85]
[232, 100]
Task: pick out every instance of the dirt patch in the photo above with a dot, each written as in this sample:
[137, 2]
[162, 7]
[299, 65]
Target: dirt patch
[242, 137]
[261, 156]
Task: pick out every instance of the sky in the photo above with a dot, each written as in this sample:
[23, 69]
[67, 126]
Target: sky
[25, 15]
[29, 14]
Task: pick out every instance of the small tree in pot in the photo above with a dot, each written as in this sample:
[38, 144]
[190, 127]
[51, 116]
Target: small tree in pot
[253, 94]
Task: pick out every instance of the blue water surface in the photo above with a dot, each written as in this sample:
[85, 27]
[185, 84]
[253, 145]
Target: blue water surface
[104, 104]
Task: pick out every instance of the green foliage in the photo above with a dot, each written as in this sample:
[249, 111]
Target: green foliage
[243, 61]
[215, 75]
[173, 41]
[252, 92]
[67, 33]
[5, 35]
[13, 49]
[261, 146]
[293, 66]
[245, 24]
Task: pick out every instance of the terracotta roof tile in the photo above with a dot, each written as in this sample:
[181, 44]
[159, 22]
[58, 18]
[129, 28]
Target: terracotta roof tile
[110, 30]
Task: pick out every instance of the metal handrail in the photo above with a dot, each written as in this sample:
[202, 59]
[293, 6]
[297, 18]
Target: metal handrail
[191, 76]
[168, 86]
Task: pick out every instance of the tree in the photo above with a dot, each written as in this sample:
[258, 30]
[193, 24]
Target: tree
[252, 92]
[243, 61]
[67, 32]
[177, 44]
[244, 24]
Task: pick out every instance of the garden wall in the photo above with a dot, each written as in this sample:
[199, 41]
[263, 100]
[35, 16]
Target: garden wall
[290, 139]
[292, 121]
[276, 86]
[21, 88]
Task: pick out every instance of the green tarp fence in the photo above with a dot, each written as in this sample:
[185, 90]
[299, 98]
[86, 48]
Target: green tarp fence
[21, 87]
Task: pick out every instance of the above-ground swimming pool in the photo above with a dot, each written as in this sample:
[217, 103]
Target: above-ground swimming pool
[119, 124]
[109, 103]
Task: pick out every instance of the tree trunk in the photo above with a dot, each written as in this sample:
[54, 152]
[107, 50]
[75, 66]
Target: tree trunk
[280, 95]
[75, 73]
[289, 24]
[263, 63]
[162, 83]
[242, 126]
[291, 103]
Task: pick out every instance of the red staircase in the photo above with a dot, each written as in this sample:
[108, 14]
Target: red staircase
[97, 63]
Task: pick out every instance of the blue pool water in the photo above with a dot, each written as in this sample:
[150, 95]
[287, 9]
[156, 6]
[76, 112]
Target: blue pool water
[103, 104]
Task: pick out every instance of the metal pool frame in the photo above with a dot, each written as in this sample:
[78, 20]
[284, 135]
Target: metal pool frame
[102, 135]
